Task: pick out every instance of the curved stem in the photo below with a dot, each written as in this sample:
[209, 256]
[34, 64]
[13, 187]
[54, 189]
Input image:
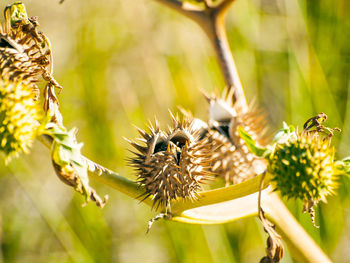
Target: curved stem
[300, 244]
[121, 184]
[191, 11]
[214, 27]
[220, 195]
[205, 198]
[211, 20]
[224, 6]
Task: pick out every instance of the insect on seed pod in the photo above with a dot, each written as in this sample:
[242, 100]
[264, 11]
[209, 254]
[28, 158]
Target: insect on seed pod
[171, 164]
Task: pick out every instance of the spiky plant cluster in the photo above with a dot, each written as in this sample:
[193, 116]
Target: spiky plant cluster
[25, 58]
[171, 164]
[304, 168]
[232, 159]
[19, 115]
[25, 54]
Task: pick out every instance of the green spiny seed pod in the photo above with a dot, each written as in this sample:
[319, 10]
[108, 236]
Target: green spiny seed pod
[232, 159]
[304, 168]
[19, 115]
[171, 164]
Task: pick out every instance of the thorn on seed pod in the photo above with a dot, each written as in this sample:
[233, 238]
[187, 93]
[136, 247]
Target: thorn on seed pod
[25, 53]
[303, 167]
[232, 159]
[19, 118]
[171, 164]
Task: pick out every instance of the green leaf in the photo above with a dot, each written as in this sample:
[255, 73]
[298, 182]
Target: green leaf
[251, 143]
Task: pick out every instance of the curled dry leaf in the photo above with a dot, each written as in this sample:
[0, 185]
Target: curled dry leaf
[70, 166]
[274, 250]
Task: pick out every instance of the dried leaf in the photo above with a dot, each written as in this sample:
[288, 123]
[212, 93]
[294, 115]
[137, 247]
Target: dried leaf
[274, 250]
[70, 166]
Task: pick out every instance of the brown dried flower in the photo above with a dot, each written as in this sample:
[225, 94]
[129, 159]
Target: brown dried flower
[25, 58]
[25, 53]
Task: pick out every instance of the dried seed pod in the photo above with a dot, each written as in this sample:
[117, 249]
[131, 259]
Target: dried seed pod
[25, 57]
[171, 164]
[232, 159]
[19, 118]
[25, 53]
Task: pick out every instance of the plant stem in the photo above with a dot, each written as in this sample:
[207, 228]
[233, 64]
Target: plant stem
[302, 247]
[214, 27]
[211, 20]
[220, 195]
[191, 11]
[121, 184]
[205, 198]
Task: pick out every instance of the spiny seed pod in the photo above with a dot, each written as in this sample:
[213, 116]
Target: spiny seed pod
[232, 159]
[25, 53]
[304, 168]
[171, 164]
[19, 115]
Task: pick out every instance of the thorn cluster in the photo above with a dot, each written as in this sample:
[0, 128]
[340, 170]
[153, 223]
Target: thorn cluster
[304, 168]
[172, 164]
[19, 116]
[232, 159]
[25, 53]
[25, 57]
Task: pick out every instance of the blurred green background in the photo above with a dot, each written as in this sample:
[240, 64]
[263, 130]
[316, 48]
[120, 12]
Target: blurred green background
[123, 62]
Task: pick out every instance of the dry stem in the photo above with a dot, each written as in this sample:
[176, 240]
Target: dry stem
[211, 20]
